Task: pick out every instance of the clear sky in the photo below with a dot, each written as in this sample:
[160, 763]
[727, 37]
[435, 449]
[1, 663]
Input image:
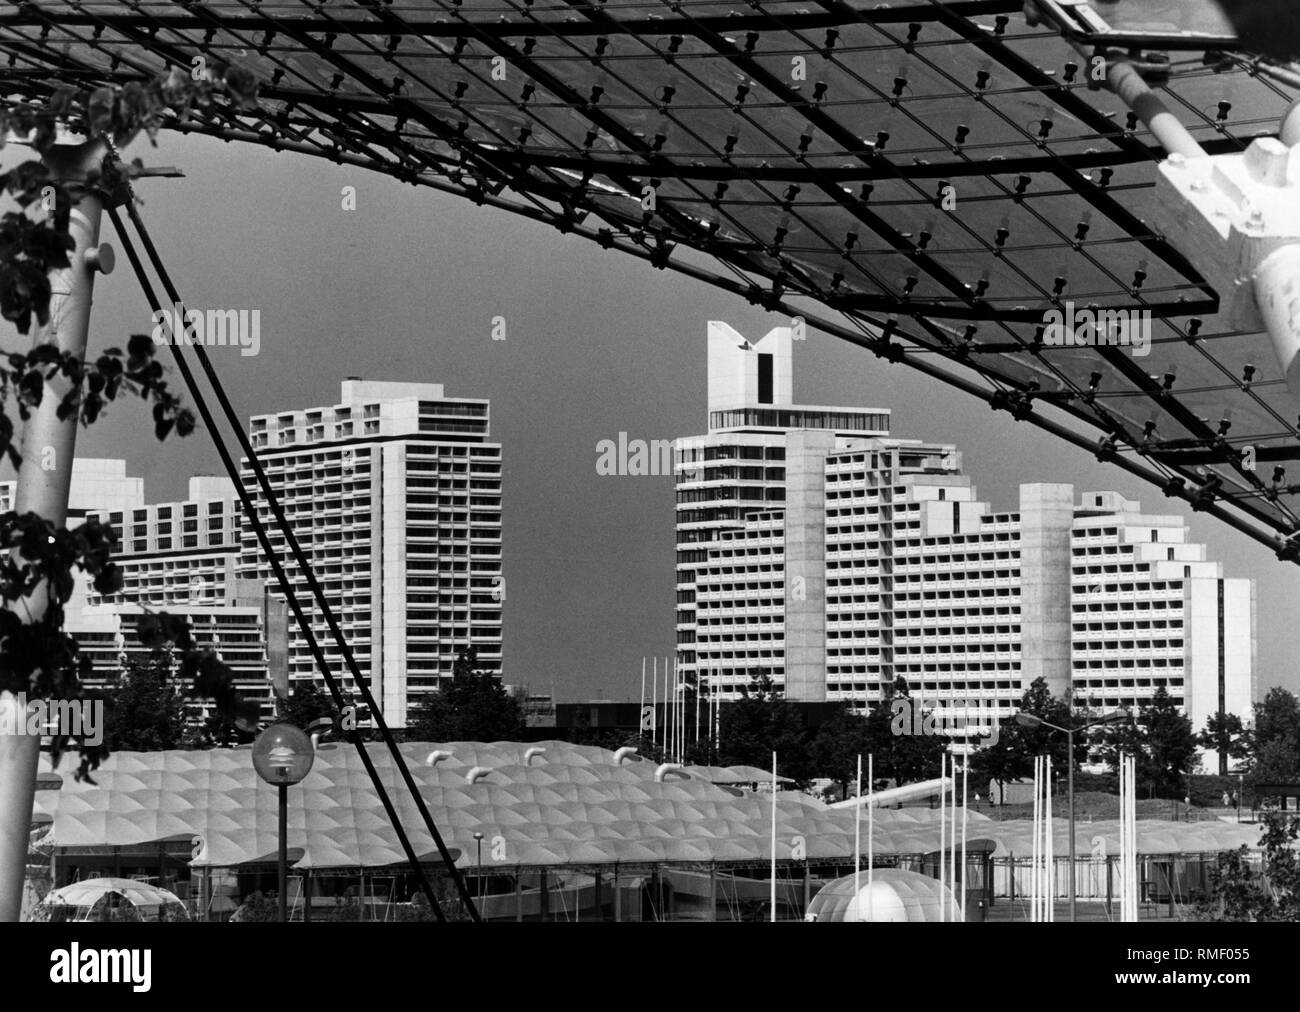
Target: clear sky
[406, 286]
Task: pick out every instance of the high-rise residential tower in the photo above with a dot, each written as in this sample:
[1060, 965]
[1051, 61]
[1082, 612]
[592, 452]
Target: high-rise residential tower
[815, 549]
[750, 487]
[394, 494]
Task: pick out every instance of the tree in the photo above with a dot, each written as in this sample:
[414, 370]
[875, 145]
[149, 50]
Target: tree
[837, 745]
[1226, 735]
[257, 907]
[1240, 892]
[305, 704]
[1278, 762]
[473, 706]
[1163, 743]
[759, 723]
[147, 712]
[899, 752]
[1011, 757]
[902, 746]
[1273, 747]
[583, 733]
[1277, 719]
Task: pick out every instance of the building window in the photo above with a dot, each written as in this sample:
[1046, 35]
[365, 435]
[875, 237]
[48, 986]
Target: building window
[764, 378]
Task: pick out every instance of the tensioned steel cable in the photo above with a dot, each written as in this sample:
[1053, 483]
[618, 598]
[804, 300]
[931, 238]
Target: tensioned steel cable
[303, 564]
[308, 573]
[152, 298]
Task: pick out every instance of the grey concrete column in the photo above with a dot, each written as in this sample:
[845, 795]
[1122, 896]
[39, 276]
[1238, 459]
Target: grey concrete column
[1046, 518]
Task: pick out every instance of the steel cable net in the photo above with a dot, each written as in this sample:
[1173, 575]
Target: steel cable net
[928, 180]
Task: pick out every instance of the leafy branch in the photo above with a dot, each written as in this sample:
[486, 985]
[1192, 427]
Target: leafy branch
[37, 658]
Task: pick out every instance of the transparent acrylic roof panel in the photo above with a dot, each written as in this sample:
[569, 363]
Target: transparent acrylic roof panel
[798, 154]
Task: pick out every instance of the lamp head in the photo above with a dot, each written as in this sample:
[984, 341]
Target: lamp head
[282, 754]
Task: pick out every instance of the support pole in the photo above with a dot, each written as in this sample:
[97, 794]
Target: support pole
[205, 892]
[1037, 838]
[943, 837]
[654, 706]
[857, 833]
[48, 446]
[964, 812]
[283, 863]
[871, 818]
[773, 869]
[1069, 738]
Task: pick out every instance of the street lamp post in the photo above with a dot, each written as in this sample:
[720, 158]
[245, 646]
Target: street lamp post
[282, 755]
[1029, 720]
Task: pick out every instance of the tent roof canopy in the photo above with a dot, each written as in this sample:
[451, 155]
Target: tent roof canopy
[579, 808]
[924, 179]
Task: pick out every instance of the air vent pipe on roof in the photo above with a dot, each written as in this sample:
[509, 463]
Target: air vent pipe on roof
[476, 774]
[623, 753]
[664, 770]
[436, 756]
[528, 756]
[318, 729]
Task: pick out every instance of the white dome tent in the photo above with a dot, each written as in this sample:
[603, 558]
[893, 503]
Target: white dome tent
[891, 896]
[80, 901]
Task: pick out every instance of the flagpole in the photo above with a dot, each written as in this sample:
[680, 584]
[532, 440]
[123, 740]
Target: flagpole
[943, 839]
[640, 713]
[952, 842]
[965, 813]
[1033, 851]
[674, 722]
[654, 707]
[857, 836]
[773, 837]
[679, 702]
[871, 816]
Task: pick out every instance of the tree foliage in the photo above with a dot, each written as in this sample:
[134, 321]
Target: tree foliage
[1163, 743]
[1239, 891]
[1011, 756]
[1274, 752]
[147, 711]
[1226, 735]
[837, 745]
[905, 740]
[37, 658]
[306, 703]
[759, 723]
[472, 706]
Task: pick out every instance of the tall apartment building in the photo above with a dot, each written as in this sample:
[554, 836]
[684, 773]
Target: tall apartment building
[176, 557]
[862, 558]
[394, 494]
[759, 457]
